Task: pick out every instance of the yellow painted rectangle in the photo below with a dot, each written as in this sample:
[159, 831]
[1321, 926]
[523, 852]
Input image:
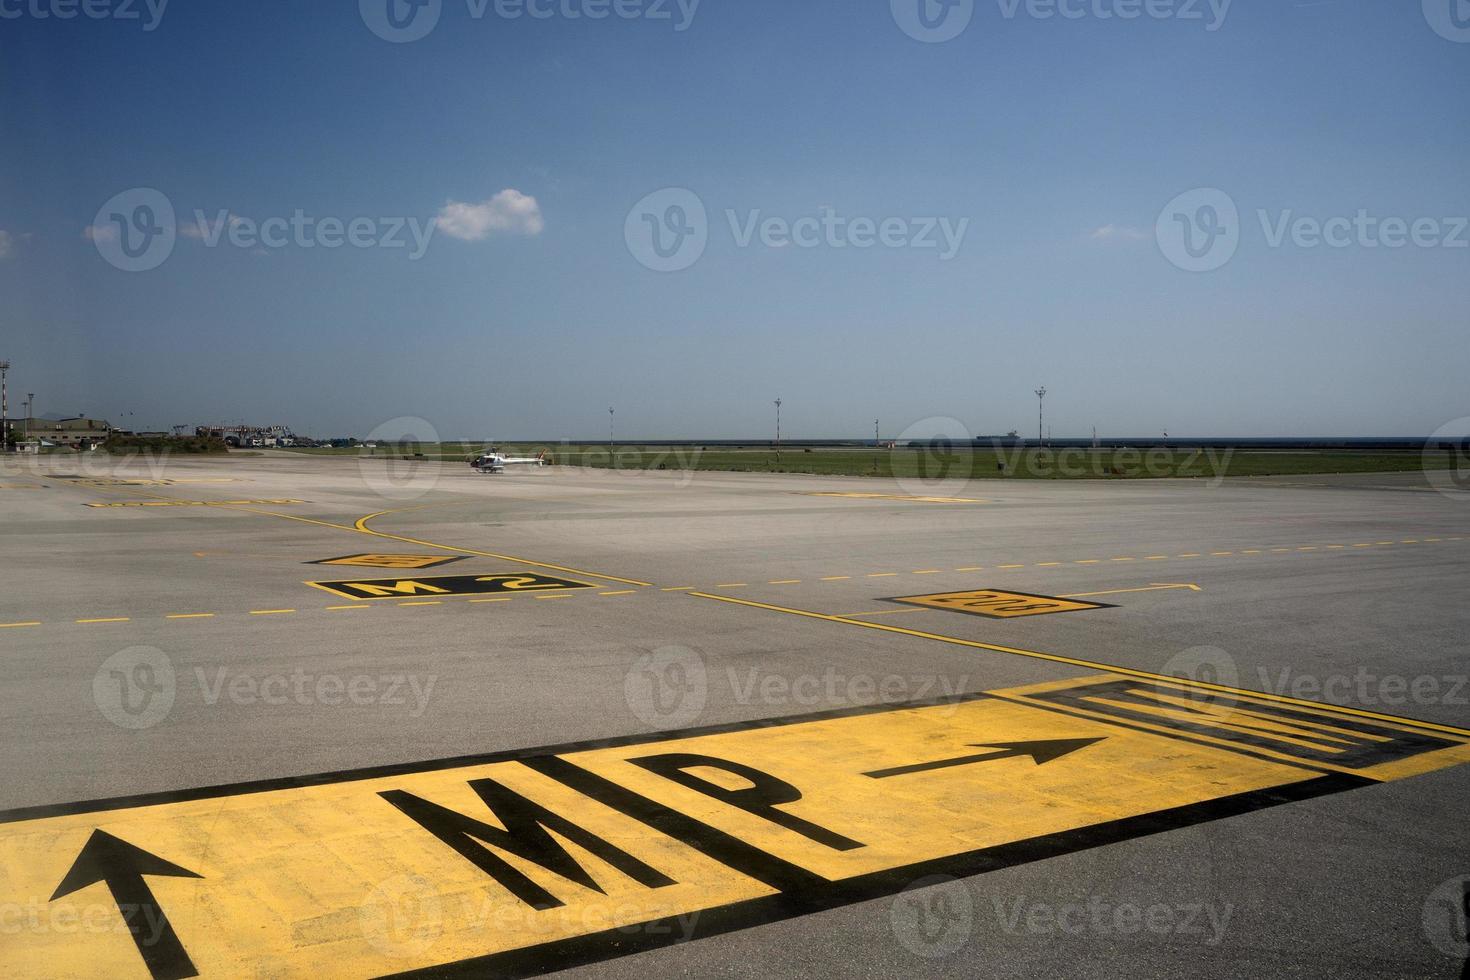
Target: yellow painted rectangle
[391, 561]
[998, 604]
[381, 871]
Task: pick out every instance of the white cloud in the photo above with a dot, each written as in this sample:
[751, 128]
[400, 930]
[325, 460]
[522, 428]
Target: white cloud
[6, 243]
[509, 211]
[1117, 233]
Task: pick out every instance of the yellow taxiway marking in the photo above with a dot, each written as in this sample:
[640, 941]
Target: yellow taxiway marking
[189, 616]
[7, 626]
[927, 571]
[619, 592]
[270, 612]
[886, 612]
[880, 575]
[1075, 662]
[1010, 566]
[784, 581]
[971, 568]
[835, 578]
[997, 604]
[1087, 561]
[894, 496]
[555, 595]
[731, 585]
[1148, 588]
[189, 503]
[1156, 558]
[505, 598]
[107, 619]
[342, 608]
[1047, 564]
[677, 588]
[486, 858]
[1122, 559]
[427, 602]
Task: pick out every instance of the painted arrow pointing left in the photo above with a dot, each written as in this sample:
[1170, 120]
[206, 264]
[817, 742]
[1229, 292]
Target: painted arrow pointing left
[122, 865]
[1041, 751]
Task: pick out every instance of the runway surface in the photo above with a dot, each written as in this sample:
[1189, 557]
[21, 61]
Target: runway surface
[653, 723]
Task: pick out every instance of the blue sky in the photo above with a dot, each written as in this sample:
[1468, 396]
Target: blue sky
[1058, 142]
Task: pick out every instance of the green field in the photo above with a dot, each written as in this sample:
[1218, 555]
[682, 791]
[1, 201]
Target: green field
[942, 463]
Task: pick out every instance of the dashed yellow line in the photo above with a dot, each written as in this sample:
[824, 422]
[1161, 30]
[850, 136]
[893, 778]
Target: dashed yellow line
[503, 598]
[337, 608]
[835, 578]
[784, 581]
[7, 626]
[270, 612]
[619, 592]
[189, 616]
[971, 568]
[422, 602]
[880, 575]
[108, 619]
[677, 588]
[928, 571]
[554, 595]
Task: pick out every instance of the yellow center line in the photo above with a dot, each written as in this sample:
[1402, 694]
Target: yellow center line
[1251, 551]
[1086, 664]
[503, 598]
[1122, 559]
[270, 612]
[1047, 564]
[620, 592]
[1309, 547]
[1362, 545]
[1383, 542]
[835, 578]
[784, 581]
[1156, 558]
[6, 626]
[110, 619]
[971, 568]
[1190, 554]
[424, 602]
[886, 612]
[881, 574]
[335, 608]
[1221, 554]
[555, 595]
[189, 616]
[927, 571]
[1010, 566]
[1083, 561]
[677, 588]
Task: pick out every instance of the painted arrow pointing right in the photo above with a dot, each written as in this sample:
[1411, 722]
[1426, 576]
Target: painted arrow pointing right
[1042, 751]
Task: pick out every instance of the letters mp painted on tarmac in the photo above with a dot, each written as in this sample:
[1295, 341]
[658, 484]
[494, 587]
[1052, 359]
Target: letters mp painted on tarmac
[390, 561]
[521, 862]
[450, 585]
[996, 604]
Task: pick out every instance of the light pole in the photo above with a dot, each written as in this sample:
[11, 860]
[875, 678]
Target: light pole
[1040, 401]
[611, 456]
[876, 439]
[30, 413]
[4, 410]
[778, 431]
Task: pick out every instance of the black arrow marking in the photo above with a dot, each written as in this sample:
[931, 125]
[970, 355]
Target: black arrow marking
[1043, 751]
[120, 864]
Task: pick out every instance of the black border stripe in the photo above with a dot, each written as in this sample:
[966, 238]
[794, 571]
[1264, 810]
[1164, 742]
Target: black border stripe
[44, 811]
[660, 933]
